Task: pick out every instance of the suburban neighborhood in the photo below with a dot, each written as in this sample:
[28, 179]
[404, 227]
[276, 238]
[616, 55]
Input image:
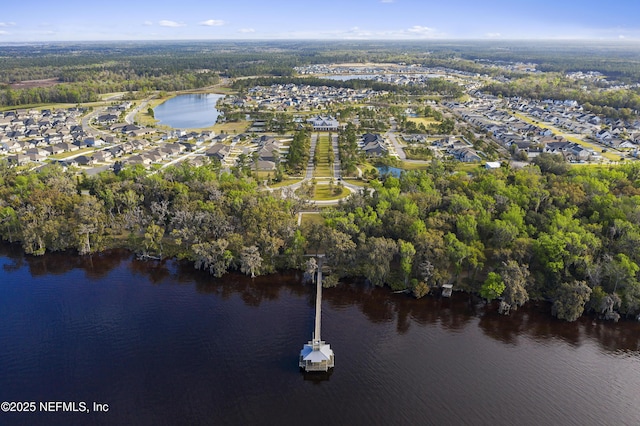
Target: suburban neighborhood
[95, 140]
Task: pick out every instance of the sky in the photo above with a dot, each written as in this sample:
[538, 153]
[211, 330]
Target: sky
[73, 20]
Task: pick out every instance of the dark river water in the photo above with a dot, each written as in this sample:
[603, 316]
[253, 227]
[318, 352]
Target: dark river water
[162, 344]
[189, 111]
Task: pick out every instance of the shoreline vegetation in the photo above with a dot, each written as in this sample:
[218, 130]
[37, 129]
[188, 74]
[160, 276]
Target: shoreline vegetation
[543, 232]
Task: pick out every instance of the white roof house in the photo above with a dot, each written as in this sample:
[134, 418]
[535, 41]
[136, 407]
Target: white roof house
[324, 123]
[323, 353]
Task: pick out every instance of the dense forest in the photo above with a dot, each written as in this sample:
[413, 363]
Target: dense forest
[542, 232]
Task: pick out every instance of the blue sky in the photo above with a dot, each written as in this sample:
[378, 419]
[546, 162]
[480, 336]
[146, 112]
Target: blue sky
[327, 19]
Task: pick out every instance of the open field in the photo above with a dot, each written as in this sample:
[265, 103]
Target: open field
[232, 128]
[30, 84]
[425, 121]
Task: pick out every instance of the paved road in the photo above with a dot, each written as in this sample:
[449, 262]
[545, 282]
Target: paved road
[337, 168]
[95, 170]
[87, 119]
[86, 126]
[396, 145]
[130, 118]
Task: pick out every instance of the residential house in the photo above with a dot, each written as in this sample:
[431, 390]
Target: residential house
[219, 151]
[19, 159]
[102, 156]
[138, 159]
[173, 148]
[466, 155]
[84, 160]
[269, 151]
[604, 135]
[54, 149]
[93, 142]
[557, 147]
[38, 151]
[373, 145]
[107, 118]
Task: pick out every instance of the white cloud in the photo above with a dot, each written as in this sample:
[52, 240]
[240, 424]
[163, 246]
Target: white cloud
[246, 30]
[4, 32]
[493, 35]
[357, 33]
[420, 30]
[387, 1]
[171, 24]
[7, 24]
[147, 23]
[213, 23]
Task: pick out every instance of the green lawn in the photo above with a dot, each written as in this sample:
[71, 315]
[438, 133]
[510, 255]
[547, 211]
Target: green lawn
[467, 167]
[144, 119]
[323, 169]
[323, 193]
[64, 155]
[356, 182]
[414, 166]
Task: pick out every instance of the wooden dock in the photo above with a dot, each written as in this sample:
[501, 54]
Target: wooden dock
[317, 355]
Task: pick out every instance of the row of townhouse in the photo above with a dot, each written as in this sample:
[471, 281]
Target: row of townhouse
[268, 151]
[32, 136]
[21, 130]
[570, 116]
[520, 136]
[156, 154]
[456, 148]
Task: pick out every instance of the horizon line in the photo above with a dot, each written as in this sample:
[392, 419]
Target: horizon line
[362, 40]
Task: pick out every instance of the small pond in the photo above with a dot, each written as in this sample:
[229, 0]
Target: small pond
[189, 111]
